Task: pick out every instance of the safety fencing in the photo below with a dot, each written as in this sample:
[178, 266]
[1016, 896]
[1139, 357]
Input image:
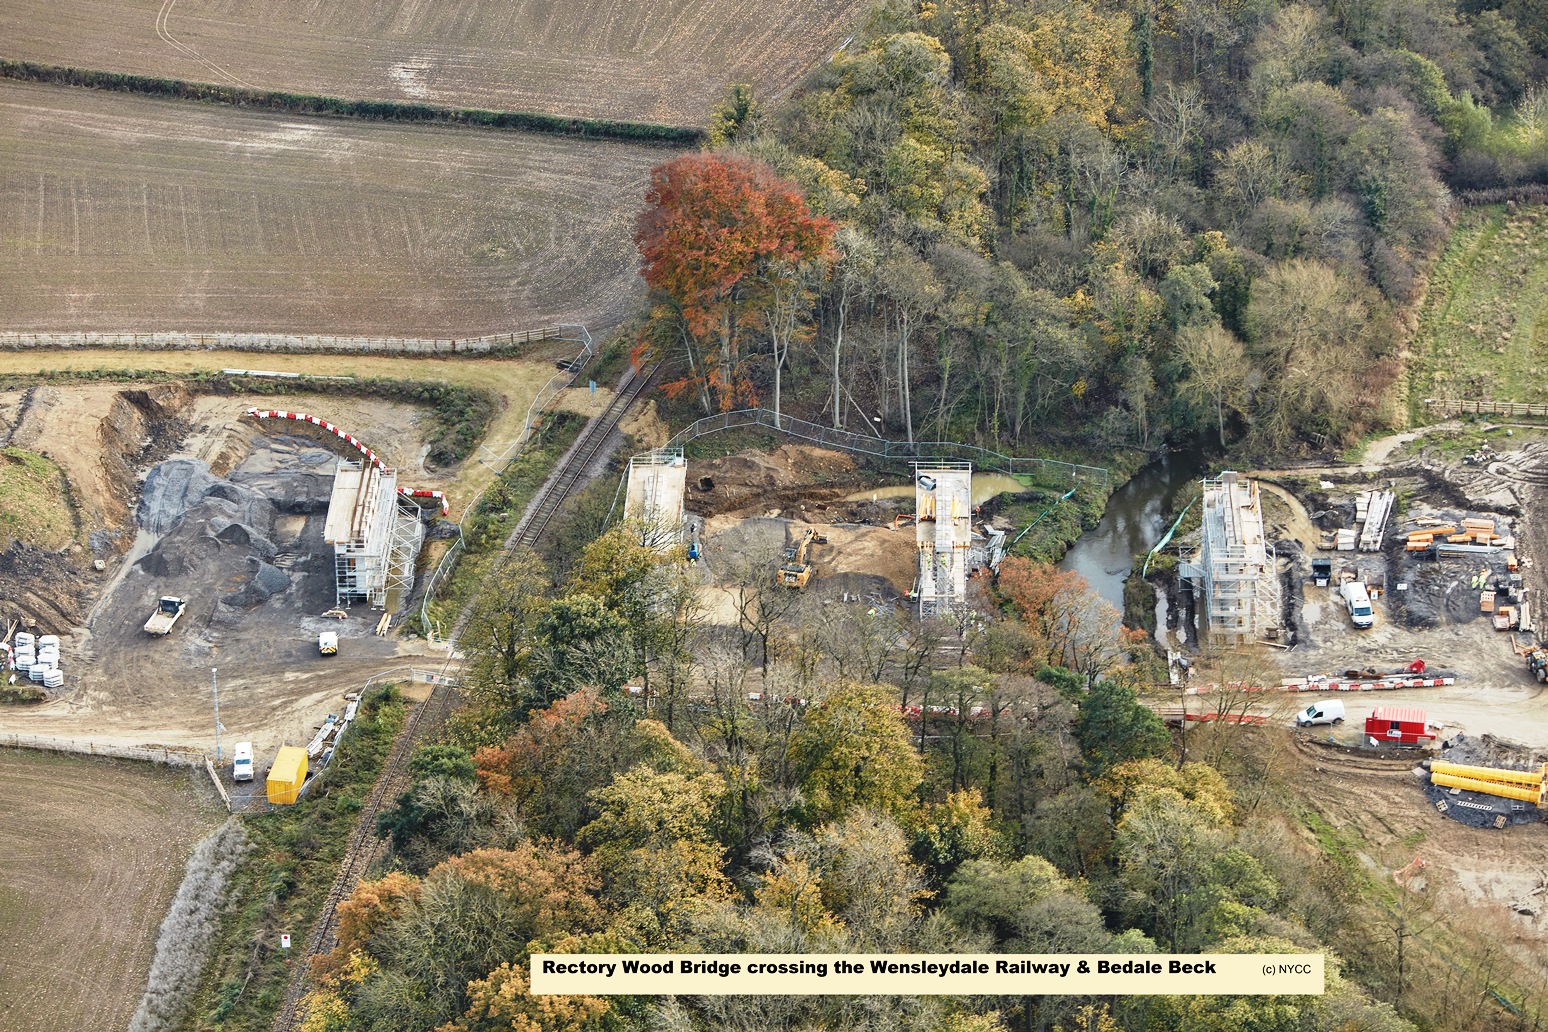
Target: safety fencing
[1461, 407]
[1050, 470]
[165, 754]
[499, 462]
[498, 343]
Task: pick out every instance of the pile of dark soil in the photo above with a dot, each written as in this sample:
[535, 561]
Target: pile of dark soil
[40, 589]
[214, 531]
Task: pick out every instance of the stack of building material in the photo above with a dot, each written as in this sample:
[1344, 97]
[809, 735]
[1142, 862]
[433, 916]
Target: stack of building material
[1378, 508]
[1530, 786]
[1344, 540]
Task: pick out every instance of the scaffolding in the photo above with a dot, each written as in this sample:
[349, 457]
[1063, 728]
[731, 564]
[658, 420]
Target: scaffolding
[375, 539]
[1235, 571]
[943, 498]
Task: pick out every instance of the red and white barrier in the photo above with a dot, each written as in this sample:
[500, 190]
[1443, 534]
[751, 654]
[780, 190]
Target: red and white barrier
[1329, 686]
[419, 492]
[357, 444]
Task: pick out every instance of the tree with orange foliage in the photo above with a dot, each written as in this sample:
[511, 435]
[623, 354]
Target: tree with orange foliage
[727, 246]
[372, 905]
[503, 1002]
[1073, 626]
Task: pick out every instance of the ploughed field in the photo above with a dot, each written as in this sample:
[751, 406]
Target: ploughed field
[130, 214]
[92, 853]
[640, 60]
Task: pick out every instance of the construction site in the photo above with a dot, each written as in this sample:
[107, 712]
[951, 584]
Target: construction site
[917, 545]
[270, 523]
[215, 536]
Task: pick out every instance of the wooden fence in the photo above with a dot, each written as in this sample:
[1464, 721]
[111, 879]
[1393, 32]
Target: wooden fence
[1463, 407]
[499, 343]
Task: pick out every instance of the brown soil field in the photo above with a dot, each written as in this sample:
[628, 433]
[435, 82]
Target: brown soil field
[126, 214]
[651, 60]
[92, 853]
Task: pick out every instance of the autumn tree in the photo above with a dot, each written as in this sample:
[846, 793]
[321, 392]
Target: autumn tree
[725, 242]
[852, 750]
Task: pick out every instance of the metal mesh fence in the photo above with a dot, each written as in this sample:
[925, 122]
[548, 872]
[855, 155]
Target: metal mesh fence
[1051, 471]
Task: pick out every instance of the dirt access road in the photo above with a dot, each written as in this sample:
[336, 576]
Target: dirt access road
[92, 853]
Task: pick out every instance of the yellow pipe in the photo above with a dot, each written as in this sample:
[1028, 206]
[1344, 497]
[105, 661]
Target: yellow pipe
[1510, 777]
[1522, 792]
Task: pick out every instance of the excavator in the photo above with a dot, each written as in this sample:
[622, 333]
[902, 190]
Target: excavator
[795, 571]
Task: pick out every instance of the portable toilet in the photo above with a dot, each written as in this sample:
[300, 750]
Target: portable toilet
[287, 774]
[1394, 725]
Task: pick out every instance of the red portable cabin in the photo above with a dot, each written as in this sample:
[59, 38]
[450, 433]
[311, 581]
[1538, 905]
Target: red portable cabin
[1396, 725]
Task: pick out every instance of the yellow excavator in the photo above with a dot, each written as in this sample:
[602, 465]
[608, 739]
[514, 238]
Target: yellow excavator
[795, 571]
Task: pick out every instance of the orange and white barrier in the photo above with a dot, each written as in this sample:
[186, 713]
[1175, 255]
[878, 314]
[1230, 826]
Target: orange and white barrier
[357, 444]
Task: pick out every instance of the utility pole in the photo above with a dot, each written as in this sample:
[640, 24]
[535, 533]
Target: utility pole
[215, 691]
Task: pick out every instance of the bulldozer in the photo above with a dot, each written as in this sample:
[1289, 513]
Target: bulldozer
[795, 571]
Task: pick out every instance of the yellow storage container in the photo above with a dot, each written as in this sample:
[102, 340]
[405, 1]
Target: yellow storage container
[286, 775]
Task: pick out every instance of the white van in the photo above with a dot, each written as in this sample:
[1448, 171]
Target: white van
[242, 762]
[1330, 712]
[1359, 602]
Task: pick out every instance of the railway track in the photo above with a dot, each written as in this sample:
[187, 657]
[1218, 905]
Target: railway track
[566, 475]
[364, 847]
[576, 462]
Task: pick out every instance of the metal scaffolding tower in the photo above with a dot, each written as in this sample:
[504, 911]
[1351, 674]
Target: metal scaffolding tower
[943, 498]
[1235, 571]
[375, 539]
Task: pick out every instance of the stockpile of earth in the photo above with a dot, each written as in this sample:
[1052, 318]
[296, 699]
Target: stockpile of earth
[219, 532]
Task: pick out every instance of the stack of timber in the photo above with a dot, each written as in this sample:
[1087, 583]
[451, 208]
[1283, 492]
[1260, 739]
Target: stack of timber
[1375, 508]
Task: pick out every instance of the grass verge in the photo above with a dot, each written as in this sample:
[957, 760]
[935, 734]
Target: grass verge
[282, 885]
[1484, 324]
[33, 500]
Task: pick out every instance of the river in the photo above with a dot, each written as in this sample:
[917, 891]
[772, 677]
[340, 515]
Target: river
[1133, 522]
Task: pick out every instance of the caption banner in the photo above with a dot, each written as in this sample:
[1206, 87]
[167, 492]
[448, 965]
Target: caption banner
[864, 974]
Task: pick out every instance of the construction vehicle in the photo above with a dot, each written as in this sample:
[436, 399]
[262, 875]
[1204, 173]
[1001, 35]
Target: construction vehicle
[795, 571]
[328, 643]
[168, 609]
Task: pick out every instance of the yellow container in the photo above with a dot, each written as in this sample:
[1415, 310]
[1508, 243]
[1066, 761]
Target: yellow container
[287, 774]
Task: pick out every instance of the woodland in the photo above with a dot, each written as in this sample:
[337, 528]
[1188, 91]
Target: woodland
[629, 778]
[1109, 225]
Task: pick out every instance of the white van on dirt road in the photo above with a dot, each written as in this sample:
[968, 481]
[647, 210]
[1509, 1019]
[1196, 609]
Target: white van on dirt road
[1330, 712]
